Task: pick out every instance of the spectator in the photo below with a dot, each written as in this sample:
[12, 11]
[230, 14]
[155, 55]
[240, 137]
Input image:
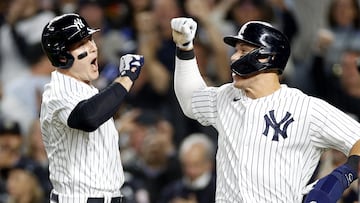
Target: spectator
[197, 156]
[214, 51]
[246, 10]
[10, 143]
[35, 150]
[10, 151]
[22, 96]
[155, 164]
[24, 183]
[340, 36]
[35, 147]
[19, 35]
[12, 154]
[149, 34]
[350, 76]
[284, 18]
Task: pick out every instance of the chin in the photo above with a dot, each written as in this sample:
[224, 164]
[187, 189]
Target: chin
[237, 84]
[95, 75]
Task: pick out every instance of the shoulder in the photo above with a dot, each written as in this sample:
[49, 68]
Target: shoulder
[227, 88]
[224, 91]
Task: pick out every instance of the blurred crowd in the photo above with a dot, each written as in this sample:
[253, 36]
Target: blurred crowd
[167, 157]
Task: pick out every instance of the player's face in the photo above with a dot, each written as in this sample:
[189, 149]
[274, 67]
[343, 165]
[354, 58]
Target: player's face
[241, 50]
[85, 69]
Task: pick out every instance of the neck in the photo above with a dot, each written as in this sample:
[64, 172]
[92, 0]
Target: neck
[73, 75]
[263, 85]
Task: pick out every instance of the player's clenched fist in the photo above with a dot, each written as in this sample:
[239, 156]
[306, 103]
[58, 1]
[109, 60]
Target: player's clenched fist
[183, 33]
[130, 65]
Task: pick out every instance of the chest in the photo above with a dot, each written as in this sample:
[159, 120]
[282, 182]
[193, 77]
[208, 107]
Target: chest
[259, 124]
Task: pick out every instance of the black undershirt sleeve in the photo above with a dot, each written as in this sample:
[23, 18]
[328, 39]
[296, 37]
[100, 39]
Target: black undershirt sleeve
[89, 114]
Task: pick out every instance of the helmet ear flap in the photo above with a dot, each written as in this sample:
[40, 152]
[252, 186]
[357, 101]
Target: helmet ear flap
[58, 55]
[65, 60]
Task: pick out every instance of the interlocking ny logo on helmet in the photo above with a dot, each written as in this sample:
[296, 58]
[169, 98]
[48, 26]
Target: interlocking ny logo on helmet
[60, 33]
[272, 46]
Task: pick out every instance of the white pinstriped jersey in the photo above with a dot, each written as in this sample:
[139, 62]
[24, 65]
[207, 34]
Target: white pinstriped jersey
[81, 163]
[269, 147]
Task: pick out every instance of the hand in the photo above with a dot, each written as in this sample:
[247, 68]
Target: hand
[130, 65]
[184, 30]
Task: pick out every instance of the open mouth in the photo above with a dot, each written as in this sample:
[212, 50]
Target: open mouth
[94, 63]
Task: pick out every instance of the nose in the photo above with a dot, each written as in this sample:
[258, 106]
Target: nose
[235, 56]
[92, 45]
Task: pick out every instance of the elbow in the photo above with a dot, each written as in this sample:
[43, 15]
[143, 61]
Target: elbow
[89, 126]
[189, 114]
[185, 103]
[84, 123]
[186, 109]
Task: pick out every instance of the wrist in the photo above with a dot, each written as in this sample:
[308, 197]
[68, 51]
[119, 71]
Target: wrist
[125, 81]
[185, 54]
[186, 46]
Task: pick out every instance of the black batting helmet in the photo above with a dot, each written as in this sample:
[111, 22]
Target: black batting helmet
[60, 33]
[272, 45]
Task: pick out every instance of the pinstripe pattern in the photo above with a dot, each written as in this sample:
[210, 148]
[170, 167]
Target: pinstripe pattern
[81, 163]
[251, 167]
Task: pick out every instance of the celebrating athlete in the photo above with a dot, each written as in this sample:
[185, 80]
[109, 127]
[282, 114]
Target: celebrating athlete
[78, 131]
[271, 136]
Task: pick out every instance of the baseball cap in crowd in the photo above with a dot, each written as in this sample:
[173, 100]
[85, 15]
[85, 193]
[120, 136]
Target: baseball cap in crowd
[8, 126]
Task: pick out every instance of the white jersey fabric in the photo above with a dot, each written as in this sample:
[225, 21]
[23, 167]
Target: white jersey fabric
[82, 164]
[268, 148]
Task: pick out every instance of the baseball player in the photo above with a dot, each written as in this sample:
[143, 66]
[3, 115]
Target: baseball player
[79, 134]
[271, 136]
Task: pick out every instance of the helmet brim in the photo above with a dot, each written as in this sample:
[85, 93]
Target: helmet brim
[92, 31]
[78, 37]
[233, 40]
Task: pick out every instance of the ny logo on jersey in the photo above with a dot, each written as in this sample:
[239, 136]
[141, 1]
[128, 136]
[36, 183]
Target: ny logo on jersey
[271, 122]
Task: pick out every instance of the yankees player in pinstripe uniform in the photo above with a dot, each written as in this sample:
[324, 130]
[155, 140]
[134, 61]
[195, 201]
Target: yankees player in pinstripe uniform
[271, 136]
[79, 134]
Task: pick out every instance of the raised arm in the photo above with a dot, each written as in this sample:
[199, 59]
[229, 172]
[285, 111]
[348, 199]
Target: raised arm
[89, 114]
[187, 77]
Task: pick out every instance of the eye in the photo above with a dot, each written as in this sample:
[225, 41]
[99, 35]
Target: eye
[245, 51]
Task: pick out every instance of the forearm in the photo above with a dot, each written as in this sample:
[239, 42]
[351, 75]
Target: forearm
[156, 72]
[331, 187]
[187, 79]
[159, 77]
[89, 114]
